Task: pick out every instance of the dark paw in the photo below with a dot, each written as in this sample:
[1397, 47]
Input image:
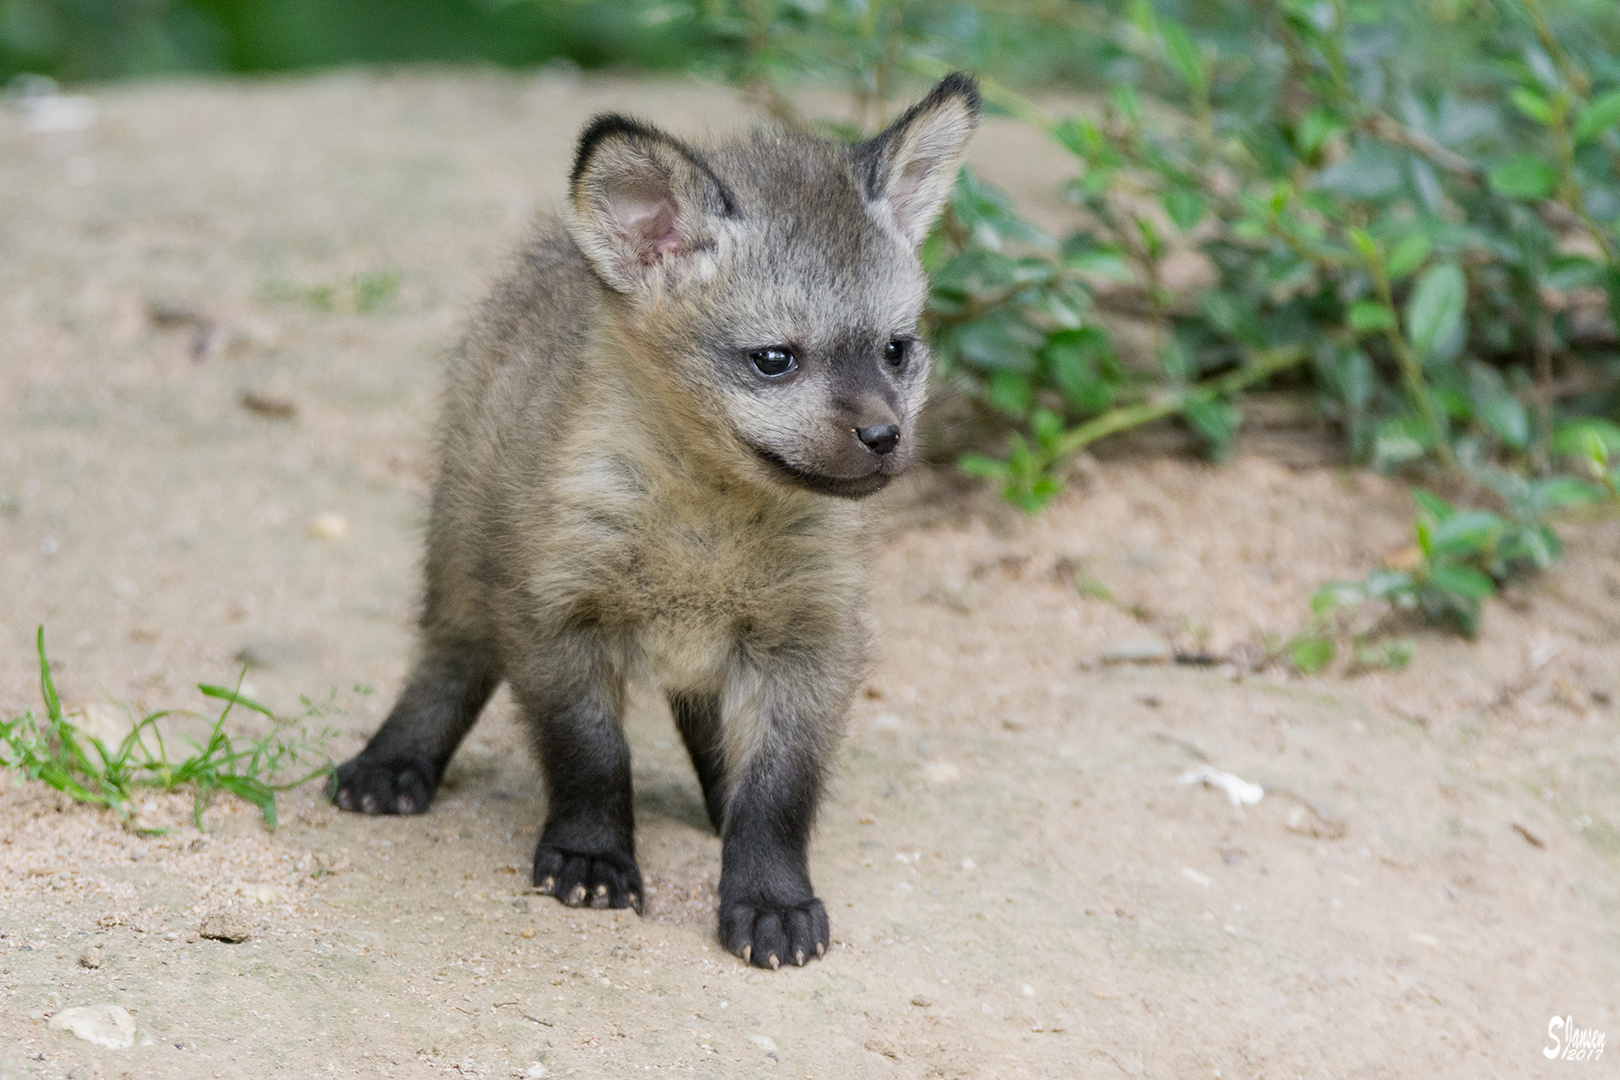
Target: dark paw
[600, 879]
[769, 935]
[381, 786]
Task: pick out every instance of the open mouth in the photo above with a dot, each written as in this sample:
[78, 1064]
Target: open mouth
[844, 487]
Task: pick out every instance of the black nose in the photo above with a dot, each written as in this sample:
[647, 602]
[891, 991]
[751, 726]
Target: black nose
[879, 438]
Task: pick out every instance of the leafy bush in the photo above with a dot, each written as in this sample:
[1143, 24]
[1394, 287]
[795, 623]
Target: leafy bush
[1408, 211]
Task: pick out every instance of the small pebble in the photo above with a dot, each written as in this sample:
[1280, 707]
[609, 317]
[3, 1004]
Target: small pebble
[328, 526]
[90, 957]
[1136, 651]
[262, 892]
[887, 721]
[921, 1002]
[535, 1071]
[941, 772]
[225, 926]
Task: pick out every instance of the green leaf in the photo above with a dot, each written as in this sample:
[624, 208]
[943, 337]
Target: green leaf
[1533, 105]
[1576, 438]
[1367, 316]
[981, 465]
[1312, 654]
[1463, 581]
[1434, 312]
[1012, 392]
[1432, 504]
[1397, 441]
[1508, 417]
[1335, 595]
[1186, 208]
[1524, 177]
[1078, 360]
[1144, 18]
[224, 693]
[1216, 420]
[1468, 532]
[1372, 172]
[1398, 652]
[1103, 262]
[253, 791]
[1182, 52]
[1129, 105]
[1047, 427]
[1407, 255]
[1388, 584]
[1601, 114]
[47, 685]
[998, 342]
[1563, 491]
[1319, 124]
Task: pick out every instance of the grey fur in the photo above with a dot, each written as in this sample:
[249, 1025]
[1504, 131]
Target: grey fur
[622, 495]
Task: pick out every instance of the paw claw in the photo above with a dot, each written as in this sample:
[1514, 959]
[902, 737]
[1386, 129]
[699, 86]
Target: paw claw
[576, 896]
[768, 933]
[383, 785]
[548, 886]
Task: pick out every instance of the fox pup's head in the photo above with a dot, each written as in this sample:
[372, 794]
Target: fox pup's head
[771, 285]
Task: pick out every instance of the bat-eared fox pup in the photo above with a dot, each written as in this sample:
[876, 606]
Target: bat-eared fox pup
[655, 440]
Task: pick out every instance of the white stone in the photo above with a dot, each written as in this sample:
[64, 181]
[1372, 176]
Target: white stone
[104, 1025]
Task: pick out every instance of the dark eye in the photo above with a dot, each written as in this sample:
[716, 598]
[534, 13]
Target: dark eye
[774, 362]
[895, 352]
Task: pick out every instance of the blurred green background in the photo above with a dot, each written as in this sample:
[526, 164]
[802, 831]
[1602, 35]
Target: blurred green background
[78, 40]
[96, 40]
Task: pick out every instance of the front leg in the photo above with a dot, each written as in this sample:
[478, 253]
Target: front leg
[587, 849]
[780, 736]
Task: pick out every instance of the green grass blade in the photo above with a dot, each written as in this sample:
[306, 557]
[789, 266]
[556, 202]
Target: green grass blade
[47, 686]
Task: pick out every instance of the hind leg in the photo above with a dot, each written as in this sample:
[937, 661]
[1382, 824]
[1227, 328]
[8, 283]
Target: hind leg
[697, 717]
[400, 768]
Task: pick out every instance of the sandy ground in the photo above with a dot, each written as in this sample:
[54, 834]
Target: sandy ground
[1018, 884]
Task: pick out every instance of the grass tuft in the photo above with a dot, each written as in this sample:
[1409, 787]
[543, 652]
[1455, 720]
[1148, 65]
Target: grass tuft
[56, 751]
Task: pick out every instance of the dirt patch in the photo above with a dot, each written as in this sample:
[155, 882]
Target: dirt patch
[1019, 885]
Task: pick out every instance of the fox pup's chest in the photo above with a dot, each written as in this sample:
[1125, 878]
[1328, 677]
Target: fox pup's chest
[687, 575]
[690, 594]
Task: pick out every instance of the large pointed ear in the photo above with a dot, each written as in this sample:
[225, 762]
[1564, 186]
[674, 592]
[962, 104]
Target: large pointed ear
[645, 206]
[909, 169]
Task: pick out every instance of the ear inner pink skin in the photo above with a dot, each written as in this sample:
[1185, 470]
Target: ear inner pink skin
[648, 224]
